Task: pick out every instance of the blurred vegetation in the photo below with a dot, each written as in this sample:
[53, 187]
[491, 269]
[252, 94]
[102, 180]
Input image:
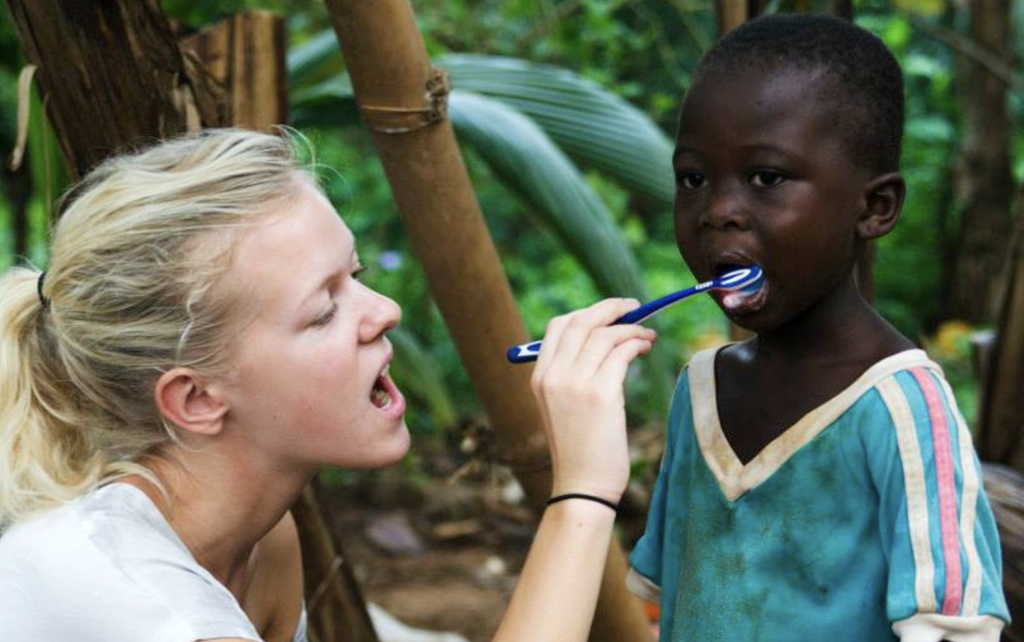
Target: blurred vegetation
[627, 61]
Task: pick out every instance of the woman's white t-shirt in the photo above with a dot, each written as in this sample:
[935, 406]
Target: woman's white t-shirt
[109, 568]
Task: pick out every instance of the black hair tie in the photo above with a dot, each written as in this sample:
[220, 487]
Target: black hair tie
[590, 498]
[43, 301]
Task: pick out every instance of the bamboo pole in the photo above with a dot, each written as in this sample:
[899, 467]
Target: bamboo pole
[731, 14]
[403, 101]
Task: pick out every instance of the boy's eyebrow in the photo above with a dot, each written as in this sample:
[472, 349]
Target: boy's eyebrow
[683, 150]
[773, 149]
[680, 150]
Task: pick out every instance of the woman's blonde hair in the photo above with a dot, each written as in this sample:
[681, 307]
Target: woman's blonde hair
[130, 292]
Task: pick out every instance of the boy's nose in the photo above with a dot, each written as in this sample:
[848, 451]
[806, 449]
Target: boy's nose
[725, 210]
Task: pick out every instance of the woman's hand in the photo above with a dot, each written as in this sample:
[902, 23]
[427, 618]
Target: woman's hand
[578, 382]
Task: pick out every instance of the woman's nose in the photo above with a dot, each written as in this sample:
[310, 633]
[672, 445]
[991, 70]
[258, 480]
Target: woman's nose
[381, 314]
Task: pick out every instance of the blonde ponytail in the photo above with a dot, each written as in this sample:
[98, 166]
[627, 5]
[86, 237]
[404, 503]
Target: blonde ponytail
[133, 290]
[44, 457]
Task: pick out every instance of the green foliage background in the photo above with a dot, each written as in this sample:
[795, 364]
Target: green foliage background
[643, 51]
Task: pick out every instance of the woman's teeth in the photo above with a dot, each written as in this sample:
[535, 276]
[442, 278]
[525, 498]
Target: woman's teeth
[380, 396]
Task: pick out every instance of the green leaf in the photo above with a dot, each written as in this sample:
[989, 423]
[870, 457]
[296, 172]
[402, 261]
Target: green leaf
[329, 103]
[592, 125]
[530, 164]
[419, 375]
[305, 60]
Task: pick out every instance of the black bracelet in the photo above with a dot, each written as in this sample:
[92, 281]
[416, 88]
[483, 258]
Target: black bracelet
[599, 500]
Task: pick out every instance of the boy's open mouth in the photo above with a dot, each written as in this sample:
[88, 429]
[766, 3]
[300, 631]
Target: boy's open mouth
[740, 302]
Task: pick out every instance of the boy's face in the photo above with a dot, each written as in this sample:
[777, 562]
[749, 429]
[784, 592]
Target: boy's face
[763, 176]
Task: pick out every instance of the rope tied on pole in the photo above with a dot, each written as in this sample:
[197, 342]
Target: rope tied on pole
[403, 120]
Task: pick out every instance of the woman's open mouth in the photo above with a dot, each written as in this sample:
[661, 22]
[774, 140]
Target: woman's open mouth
[384, 392]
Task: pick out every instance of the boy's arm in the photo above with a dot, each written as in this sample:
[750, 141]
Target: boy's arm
[945, 579]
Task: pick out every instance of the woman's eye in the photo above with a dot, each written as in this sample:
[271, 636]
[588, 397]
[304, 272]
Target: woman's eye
[766, 178]
[690, 180]
[327, 316]
[359, 272]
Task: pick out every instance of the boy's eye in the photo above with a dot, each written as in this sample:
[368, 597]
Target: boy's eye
[359, 272]
[690, 180]
[766, 178]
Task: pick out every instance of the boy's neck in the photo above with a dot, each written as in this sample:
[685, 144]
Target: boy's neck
[843, 327]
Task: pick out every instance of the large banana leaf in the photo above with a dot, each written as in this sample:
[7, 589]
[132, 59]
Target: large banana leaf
[526, 160]
[307, 59]
[595, 127]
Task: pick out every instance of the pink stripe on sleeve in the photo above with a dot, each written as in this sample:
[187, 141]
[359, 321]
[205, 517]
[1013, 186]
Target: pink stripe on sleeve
[947, 491]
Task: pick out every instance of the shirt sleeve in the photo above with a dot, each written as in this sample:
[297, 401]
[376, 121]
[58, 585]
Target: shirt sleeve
[646, 559]
[937, 528]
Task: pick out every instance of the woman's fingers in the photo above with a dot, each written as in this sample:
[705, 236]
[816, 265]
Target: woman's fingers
[573, 330]
[578, 382]
[566, 334]
[602, 345]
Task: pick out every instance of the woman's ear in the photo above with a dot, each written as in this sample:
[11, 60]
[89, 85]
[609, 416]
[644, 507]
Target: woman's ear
[883, 198]
[190, 403]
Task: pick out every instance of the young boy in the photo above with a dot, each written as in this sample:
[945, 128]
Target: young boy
[818, 480]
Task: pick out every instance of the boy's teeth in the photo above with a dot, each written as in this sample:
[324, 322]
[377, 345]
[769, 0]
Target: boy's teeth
[733, 300]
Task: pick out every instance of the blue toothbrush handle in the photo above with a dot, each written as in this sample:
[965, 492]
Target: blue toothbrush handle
[527, 352]
[524, 352]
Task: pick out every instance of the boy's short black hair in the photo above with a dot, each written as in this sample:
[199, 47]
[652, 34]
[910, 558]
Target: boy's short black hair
[864, 81]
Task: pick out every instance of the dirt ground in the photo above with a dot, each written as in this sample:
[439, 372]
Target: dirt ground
[439, 554]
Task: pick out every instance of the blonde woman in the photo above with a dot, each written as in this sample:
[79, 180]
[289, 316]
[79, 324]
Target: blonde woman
[199, 347]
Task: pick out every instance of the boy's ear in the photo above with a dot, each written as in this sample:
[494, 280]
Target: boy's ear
[883, 199]
[190, 403]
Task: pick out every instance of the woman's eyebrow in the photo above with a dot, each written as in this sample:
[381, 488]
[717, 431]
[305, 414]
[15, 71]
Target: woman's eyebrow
[335, 273]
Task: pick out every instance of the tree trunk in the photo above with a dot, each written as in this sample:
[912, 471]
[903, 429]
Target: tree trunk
[983, 177]
[337, 611]
[105, 91]
[403, 103]
[1002, 411]
[113, 76]
[246, 54]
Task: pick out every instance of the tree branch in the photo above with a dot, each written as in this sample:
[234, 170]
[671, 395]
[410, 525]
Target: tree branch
[995, 65]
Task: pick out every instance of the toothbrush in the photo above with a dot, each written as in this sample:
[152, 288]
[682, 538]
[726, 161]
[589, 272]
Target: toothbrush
[746, 279]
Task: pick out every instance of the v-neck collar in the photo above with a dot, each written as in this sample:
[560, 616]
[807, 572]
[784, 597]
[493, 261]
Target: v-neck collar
[735, 478]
